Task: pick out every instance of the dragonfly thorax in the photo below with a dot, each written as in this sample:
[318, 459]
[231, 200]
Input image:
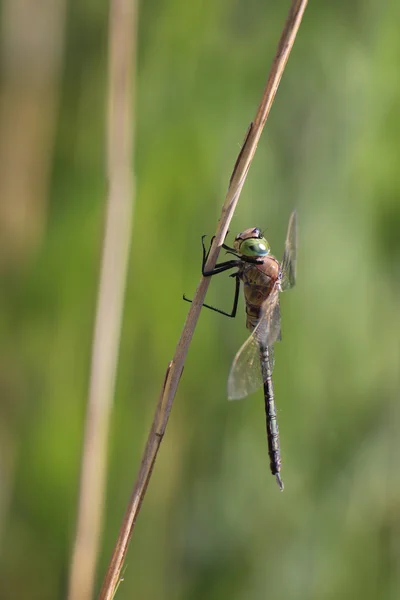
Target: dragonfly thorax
[251, 243]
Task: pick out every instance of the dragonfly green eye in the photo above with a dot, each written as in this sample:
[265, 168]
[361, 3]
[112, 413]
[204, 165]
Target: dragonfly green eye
[254, 247]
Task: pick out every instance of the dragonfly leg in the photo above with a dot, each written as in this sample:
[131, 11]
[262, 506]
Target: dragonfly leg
[232, 314]
[219, 267]
[205, 252]
[230, 251]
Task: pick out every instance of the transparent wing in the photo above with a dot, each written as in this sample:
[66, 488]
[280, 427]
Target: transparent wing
[268, 330]
[246, 375]
[289, 255]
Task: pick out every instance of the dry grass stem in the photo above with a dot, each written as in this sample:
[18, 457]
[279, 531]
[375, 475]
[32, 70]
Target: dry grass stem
[175, 367]
[122, 36]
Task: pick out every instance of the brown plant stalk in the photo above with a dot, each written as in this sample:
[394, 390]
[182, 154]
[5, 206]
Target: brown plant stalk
[175, 368]
[115, 253]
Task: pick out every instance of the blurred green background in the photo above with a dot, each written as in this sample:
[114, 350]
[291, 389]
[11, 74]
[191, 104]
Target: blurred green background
[213, 524]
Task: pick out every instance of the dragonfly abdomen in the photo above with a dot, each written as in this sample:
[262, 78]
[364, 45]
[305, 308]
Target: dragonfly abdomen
[274, 450]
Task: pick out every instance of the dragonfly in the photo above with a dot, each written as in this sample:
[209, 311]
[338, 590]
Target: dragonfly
[263, 279]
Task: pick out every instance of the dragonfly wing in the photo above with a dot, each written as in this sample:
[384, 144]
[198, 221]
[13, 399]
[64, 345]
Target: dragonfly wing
[246, 375]
[268, 330]
[289, 255]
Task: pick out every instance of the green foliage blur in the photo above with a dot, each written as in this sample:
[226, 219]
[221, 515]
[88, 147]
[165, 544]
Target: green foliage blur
[214, 524]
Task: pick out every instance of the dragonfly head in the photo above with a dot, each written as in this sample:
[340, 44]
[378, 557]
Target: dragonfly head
[251, 243]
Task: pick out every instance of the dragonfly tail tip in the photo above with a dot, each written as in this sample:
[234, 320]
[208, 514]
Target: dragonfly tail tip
[279, 482]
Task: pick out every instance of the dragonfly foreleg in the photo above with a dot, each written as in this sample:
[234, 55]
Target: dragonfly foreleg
[206, 253]
[231, 251]
[219, 267]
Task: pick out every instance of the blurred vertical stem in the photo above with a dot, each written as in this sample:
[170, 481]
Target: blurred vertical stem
[31, 55]
[175, 368]
[122, 39]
